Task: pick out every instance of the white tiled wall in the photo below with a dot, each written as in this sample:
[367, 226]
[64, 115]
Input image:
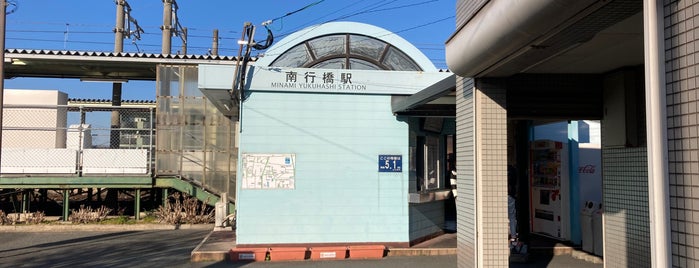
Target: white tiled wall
[491, 172]
[625, 200]
[482, 180]
[681, 34]
[465, 165]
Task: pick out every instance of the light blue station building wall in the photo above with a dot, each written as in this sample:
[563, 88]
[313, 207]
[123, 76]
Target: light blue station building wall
[336, 129]
[339, 195]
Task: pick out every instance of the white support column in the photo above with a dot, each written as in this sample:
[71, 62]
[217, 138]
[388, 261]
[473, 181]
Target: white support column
[491, 173]
[656, 118]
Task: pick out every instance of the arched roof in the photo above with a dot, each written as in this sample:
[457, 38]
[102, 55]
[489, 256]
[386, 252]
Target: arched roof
[346, 45]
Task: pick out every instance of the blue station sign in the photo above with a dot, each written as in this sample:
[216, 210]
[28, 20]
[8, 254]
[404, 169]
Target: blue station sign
[390, 163]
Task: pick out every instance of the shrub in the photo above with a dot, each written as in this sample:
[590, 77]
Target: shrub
[189, 210]
[31, 218]
[36, 217]
[4, 220]
[89, 215]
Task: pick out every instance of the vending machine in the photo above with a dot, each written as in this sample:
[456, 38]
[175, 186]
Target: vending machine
[549, 202]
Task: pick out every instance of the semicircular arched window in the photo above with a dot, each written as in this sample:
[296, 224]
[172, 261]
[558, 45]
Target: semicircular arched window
[346, 51]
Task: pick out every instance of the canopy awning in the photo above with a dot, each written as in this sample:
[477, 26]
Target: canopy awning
[436, 100]
[509, 37]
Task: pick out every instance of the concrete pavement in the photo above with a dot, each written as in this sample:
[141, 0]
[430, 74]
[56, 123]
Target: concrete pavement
[169, 246]
[404, 262]
[437, 252]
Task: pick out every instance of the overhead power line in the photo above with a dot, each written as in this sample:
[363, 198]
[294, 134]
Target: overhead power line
[420, 26]
[57, 31]
[375, 7]
[382, 35]
[296, 11]
[367, 9]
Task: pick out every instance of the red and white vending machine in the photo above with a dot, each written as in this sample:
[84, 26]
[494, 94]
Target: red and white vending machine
[548, 180]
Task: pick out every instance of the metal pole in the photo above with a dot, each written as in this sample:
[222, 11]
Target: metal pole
[167, 27]
[82, 115]
[229, 160]
[66, 203]
[150, 143]
[183, 107]
[115, 122]
[204, 150]
[25, 200]
[214, 46]
[656, 131]
[2, 67]
[119, 28]
[165, 196]
[81, 143]
[137, 205]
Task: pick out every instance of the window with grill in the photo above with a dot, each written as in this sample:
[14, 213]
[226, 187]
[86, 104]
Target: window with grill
[346, 51]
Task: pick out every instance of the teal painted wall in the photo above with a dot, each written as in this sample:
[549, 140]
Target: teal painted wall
[426, 219]
[339, 194]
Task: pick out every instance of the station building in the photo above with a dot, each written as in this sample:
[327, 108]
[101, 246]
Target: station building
[333, 146]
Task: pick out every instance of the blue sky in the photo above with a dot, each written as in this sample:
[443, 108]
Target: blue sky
[86, 25]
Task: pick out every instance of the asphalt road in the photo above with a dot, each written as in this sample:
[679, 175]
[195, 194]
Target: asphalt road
[152, 248]
[165, 248]
[172, 248]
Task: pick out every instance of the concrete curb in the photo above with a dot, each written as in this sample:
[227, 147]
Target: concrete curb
[208, 256]
[198, 255]
[582, 255]
[421, 251]
[100, 227]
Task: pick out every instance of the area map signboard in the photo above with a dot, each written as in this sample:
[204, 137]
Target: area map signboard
[390, 163]
[269, 171]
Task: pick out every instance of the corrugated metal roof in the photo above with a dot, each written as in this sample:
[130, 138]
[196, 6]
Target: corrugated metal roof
[107, 101]
[120, 54]
[75, 104]
[98, 65]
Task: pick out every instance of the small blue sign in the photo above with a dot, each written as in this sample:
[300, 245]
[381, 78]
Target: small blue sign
[390, 163]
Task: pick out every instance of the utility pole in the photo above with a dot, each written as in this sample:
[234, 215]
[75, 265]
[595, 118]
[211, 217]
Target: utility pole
[115, 123]
[122, 30]
[119, 28]
[2, 66]
[171, 26]
[121, 6]
[167, 27]
[184, 41]
[214, 46]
